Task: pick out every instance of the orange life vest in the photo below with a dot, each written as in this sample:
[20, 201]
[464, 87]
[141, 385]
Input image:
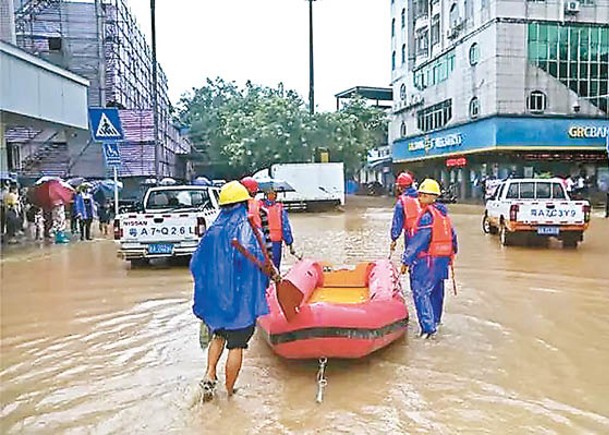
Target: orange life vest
[253, 212]
[412, 210]
[275, 226]
[441, 234]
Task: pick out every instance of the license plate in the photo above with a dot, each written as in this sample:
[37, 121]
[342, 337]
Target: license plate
[548, 231]
[160, 248]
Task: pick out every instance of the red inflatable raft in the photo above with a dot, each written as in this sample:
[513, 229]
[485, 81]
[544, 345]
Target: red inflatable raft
[344, 313]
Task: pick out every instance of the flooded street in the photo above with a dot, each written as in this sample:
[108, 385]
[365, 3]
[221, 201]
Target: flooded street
[91, 346]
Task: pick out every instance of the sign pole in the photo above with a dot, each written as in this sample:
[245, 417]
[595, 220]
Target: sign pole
[115, 191]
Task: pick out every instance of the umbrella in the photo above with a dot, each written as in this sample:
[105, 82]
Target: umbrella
[50, 193]
[265, 184]
[76, 181]
[202, 181]
[104, 189]
[168, 181]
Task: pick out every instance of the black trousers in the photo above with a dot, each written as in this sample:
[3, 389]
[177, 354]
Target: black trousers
[85, 229]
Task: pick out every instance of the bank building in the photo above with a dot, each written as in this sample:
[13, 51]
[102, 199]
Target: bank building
[485, 88]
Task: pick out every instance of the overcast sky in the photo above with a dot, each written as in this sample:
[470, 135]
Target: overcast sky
[266, 41]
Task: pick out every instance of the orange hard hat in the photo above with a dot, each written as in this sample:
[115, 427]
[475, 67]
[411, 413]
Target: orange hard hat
[404, 180]
[250, 184]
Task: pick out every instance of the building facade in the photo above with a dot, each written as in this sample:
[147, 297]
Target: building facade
[488, 88]
[101, 41]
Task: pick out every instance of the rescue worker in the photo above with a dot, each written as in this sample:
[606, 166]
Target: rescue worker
[229, 290]
[427, 257]
[253, 205]
[406, 210]
[279, 226]
[258, 215]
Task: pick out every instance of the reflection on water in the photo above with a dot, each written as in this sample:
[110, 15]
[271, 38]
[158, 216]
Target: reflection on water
[89, 345]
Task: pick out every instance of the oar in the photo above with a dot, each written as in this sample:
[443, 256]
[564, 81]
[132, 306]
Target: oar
[288, 295]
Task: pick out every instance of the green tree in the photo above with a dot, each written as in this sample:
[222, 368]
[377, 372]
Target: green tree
[241, 130]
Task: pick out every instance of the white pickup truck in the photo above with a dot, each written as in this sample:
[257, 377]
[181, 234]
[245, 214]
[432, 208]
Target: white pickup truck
[535, 209]
[172, 222]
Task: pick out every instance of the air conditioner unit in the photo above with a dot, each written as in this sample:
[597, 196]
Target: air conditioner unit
[572, 6]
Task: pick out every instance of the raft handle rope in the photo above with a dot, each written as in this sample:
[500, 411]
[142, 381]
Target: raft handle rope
[322, 382]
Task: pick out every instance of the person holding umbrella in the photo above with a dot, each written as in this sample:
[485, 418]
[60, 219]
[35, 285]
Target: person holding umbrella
[85, 210]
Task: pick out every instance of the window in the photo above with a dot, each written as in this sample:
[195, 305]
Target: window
[403, 129]
[527, 190]
[575, 54]
[474, 54]
[435, 72]
[393, 60]
[403, 18]
[474, 108]
[421, 8]
[393, 27]
[557, 191]
[54, 43]
[543, 191]
[537, 101]
[179, 198]
[468, 6]
[403, 91]
[435, 30]
[434, 117]
[422, 41]
[512, 192]
[403, 54]
[453, 15]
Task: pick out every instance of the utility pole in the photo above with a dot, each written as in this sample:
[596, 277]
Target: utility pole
[155, 102]
[311, 70]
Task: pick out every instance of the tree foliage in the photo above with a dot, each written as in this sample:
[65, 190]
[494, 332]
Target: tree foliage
[240, 130]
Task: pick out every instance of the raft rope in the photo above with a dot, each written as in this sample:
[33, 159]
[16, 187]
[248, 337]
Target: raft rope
[322, 382]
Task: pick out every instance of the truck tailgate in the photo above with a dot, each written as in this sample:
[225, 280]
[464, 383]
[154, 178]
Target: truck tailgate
[551, 212]
[153, 228]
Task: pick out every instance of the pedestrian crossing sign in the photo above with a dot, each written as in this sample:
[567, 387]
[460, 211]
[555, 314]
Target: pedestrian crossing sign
[112, 154]
[105, 125]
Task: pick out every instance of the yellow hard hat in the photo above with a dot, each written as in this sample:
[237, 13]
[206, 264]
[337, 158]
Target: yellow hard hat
[430, 187]
[232, 193]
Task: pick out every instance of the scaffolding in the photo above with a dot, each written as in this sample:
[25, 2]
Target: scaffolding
[102, 42]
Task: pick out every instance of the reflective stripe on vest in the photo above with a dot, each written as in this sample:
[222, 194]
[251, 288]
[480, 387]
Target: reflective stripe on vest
[441, 244]
[275, 226]
[412, 210]
[253, 212]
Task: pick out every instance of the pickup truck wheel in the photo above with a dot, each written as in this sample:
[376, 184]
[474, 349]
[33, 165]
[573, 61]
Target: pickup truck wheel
[486, 225]
[139, 262]
[506, 238]
[569, 243]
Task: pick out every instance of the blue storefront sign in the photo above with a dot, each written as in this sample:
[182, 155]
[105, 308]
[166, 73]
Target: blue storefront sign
[505, 133]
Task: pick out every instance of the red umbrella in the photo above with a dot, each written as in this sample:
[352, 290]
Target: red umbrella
[50, 194]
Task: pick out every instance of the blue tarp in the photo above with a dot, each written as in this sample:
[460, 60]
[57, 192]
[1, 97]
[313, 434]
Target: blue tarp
[229, 290]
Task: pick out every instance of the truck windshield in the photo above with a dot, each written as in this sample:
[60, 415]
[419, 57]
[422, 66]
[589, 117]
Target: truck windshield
[178, 198]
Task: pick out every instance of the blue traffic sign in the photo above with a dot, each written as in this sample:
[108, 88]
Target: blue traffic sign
[112, 155]
[105, 125]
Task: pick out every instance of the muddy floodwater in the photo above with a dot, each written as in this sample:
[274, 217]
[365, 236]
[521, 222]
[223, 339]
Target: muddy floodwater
[91, 346]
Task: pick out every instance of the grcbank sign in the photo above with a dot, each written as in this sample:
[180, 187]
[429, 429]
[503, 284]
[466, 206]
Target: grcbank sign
[578, 131]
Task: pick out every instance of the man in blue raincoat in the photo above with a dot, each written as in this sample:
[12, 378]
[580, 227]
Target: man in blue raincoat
[229, 292]
[279, 226]
[406, 210]
[430, 252]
